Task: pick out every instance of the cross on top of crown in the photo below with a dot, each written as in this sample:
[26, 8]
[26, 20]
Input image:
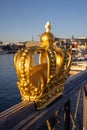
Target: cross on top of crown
[48, 26]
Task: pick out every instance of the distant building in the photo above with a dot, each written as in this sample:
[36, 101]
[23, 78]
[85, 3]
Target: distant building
[62, 42]
[32, 43]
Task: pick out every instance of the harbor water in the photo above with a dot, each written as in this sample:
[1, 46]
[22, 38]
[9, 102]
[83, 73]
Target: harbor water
[9, 93]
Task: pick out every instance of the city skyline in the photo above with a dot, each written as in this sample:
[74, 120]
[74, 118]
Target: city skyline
[20, 20]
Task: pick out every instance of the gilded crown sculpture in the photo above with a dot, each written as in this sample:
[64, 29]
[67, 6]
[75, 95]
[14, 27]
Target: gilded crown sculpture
[42, 83]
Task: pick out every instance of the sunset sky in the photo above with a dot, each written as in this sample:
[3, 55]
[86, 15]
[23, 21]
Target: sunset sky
[22, 19]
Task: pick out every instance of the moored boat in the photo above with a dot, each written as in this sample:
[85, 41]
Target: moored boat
[77, 67]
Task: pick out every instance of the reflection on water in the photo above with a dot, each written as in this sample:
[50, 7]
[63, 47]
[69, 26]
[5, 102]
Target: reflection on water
[9, 93]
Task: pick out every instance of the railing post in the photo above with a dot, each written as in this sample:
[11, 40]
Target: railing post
[85, 109]
[67, 115]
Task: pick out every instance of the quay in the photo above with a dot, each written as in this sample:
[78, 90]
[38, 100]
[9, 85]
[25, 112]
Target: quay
[25, 116]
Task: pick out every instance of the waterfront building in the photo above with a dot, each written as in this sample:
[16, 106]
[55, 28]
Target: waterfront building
[32, 43]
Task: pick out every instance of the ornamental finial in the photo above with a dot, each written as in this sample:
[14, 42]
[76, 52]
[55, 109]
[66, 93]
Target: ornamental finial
[48, 26]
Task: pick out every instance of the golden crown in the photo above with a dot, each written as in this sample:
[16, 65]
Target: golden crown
[42, 83]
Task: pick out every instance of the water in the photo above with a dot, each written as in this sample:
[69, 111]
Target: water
[9, 93]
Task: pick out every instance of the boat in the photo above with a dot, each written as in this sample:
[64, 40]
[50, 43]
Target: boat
[77, 67]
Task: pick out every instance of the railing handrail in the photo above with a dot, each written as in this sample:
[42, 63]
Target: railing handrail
[36, 118]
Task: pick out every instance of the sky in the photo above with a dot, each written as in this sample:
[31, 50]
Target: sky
[20, 20]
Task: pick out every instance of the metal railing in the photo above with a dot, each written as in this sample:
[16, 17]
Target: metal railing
[59, 115]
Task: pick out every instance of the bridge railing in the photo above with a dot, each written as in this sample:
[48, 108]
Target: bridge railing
[25, 116]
